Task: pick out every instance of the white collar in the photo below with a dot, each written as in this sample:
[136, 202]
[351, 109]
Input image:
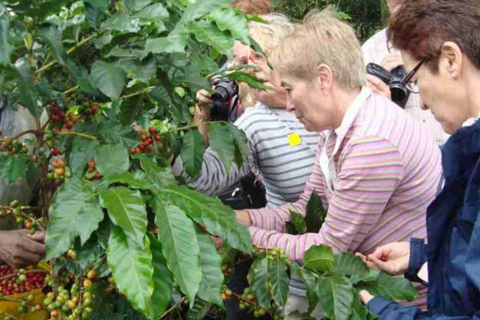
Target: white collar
[470, 121]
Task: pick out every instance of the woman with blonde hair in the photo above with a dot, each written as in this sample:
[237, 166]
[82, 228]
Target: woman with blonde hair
[376, 168]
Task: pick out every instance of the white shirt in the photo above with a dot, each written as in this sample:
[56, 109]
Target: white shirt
[375, 50]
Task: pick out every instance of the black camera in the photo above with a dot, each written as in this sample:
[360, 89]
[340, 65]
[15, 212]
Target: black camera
[225, 90]
[394, 79]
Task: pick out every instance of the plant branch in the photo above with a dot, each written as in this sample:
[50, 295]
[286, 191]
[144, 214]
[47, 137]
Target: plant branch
[176, 305]
[21, 134]
[74, 133]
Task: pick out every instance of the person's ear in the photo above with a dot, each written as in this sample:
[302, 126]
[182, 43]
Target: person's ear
[325, 78]
[451, 59]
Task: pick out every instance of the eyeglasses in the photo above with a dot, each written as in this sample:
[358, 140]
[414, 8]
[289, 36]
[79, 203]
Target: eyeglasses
[412, 85]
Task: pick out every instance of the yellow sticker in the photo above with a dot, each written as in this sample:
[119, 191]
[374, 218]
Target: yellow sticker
[294, 139]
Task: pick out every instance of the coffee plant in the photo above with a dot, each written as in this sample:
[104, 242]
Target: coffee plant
[110, 86]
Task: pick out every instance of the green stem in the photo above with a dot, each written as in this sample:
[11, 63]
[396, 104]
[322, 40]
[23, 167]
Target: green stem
[147, 90]
[71, 90]
[80, 134]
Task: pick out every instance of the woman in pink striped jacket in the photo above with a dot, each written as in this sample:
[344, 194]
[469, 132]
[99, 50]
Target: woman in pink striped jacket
[377, 169]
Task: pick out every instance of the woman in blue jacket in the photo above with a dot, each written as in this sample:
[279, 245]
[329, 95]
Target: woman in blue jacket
[440, 43]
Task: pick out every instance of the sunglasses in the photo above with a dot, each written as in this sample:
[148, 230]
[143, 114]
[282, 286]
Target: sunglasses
[412, 85]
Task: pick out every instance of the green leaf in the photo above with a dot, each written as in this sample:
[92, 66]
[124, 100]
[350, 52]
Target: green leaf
[199, 310]
[81, 153]
[220, 139]
[391, 288]
[52, 35]
[173, 43]
[298, 222]
[258, 280]
[6, 48]
[233, 21]
[310, 281]
[337, 296]
[122, 23]
[315, 213]
[180, 246]
[112, 159]
[27, 90]
[198, 9]
[241, 146]
[162, 279]
[15, 167]
[113, 132]
[131, 266]
[320, 259]
[210, 34]
[75, 212]
[94, 11]
[135, 180]
[127, 210]
[129, 108]
[217, 218]
[156, 175]
[193, 148]
[89, 252]
[359, 311]
[135, 5]
[278, 279]
[253, 81]
[81, 77]
[141, 70]
[153, 12]
[349, 264]
[211, 264]
[109, 78]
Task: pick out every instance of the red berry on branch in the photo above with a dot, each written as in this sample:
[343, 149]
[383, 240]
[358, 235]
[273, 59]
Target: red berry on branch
[143, 137]
[133, 151]
[91, 164]
[152, 130]
[157, 137]
[62, 114]
[94, 108]
[55, 118]
[55, 109]
[141, 147]
[69, 124]
[54, 151]
[149, 141]
[97, 176]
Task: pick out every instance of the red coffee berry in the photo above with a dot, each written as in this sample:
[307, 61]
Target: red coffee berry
[157, 137]
[55, 109]
[94, 108]
[133, 151]
[152, 130]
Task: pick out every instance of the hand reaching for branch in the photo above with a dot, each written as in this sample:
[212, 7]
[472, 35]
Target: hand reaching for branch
[18, 248]
[392, 258]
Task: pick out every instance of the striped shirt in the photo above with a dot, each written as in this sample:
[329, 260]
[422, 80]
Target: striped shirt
[283, 166]
[387, 172]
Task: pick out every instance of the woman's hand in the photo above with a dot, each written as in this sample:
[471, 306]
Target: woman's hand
[392, 258]
[378, 86]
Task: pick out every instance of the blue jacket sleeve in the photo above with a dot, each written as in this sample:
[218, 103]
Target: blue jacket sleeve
[387, 310]
[418, 257]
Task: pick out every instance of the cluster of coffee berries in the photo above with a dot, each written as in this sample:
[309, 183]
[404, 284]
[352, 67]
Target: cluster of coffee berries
[227, 270]
[147, 137]
[226, 293]
[72, 304]
[22, 216]
[12, 146]
[92, 173]
[61, 122]
[19, 281]
[58, 171]
[88, 109]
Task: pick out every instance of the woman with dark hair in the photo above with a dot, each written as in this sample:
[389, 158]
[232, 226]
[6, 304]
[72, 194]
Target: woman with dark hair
[440, 44]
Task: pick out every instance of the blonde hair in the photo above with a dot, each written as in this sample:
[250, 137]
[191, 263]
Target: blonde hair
[268, 35]
[322, 39]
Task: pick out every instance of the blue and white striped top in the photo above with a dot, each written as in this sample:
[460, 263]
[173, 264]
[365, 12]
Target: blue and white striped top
[283, 166]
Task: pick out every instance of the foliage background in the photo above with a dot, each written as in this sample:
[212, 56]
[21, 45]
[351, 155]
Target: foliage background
[366, 16]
